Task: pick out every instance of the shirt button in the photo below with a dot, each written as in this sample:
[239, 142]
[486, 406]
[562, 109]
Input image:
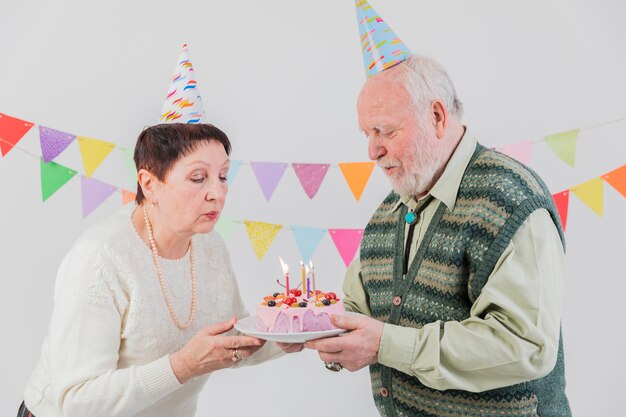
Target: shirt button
[397, 300]
[384, 392]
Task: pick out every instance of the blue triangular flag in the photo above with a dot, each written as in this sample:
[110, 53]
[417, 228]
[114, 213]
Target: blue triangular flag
[234, 168]
[308, 239]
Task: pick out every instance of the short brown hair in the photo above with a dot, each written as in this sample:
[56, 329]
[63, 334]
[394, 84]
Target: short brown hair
[159, 147]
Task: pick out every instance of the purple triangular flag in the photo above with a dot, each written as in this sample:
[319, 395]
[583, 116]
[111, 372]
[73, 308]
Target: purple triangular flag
[311, 176]
[268, 174]
[94, 193]
[53, 142]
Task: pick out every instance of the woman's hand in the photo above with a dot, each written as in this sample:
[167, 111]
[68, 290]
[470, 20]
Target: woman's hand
[209, 351]
[290, 347]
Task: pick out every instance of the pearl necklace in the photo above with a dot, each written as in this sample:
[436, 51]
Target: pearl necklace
[155, 256]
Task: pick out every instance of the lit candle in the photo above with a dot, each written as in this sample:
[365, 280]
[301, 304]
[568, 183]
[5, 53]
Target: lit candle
[286, 272]
[313, 278]
[303, 277]
[308, 282]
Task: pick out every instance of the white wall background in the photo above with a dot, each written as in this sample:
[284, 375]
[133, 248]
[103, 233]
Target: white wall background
[281, 78]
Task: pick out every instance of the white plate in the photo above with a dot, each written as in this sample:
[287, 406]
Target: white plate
[247, 325]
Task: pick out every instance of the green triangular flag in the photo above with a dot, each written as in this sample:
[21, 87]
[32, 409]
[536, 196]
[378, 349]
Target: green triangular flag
[53, 177]
[564, 145]
[128, 155]
[225, 226]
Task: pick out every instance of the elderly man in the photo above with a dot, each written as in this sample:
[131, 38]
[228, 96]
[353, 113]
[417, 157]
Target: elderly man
[461, 268]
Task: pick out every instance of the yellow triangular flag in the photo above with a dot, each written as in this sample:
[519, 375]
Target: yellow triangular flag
[564, 145]
[261, 236]
[93, 152]
[357, 174]
[591, 193]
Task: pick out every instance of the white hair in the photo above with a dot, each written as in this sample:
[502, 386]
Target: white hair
[426, 81]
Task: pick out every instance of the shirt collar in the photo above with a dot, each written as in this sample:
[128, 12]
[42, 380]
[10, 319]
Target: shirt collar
[447, 186]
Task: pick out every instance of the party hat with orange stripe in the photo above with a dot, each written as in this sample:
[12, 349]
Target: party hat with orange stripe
[183, 103]
[380, 46]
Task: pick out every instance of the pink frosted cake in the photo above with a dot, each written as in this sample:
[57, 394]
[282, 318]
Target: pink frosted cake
[281, 314]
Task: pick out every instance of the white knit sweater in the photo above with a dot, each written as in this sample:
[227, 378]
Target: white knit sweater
[106, 353]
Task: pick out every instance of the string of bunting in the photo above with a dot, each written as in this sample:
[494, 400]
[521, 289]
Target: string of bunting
[268, 174]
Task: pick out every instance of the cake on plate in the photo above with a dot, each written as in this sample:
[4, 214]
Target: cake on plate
[295, 313]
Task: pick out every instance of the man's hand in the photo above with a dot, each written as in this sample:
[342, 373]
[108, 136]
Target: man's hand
[357, 348]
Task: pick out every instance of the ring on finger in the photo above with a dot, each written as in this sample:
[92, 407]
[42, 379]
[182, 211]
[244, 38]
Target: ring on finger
[333, 366]
[236, 357]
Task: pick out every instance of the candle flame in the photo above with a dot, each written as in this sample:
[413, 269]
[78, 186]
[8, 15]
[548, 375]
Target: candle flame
[311, 265]
[284, 266]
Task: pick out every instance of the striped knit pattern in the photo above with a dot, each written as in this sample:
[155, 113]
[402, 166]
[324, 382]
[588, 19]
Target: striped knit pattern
[453, 262]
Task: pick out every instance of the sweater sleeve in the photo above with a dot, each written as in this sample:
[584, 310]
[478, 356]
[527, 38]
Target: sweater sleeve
[512, 334]
[84, 341]
[270, 350]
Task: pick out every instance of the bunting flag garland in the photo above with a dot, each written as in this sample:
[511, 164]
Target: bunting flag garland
[12, 130]
[307, 239]
[261, 236]
[357, 174]
[268, 174]
[591, 193]
[53, 142]
[128, 196]
[564, 145]
[94, 193]
[520, 151]
[311, 176]
[93, 152]
[617, 179]
[347, 242]
[561, 200]
[225, 226]
[53, 177]
[233, 170]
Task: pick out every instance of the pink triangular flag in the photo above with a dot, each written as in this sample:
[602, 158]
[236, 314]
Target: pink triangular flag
[520, 151]
[94, 192]
[311, 176]
[53, 142]
[347, 242]
[268, 174]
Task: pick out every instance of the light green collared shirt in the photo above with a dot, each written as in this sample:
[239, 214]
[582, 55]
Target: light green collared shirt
[512, 334]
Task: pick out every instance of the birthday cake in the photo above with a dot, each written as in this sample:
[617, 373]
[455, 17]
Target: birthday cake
[294, 312]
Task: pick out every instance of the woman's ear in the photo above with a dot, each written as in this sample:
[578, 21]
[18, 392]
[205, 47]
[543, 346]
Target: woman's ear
[147, 182]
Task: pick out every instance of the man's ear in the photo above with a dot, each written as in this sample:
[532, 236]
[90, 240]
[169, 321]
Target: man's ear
[439, 118]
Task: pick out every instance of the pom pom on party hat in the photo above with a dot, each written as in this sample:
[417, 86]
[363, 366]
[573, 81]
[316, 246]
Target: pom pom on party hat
[183, 103]
[380, 46]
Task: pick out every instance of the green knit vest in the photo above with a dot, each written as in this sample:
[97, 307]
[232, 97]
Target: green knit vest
[454, 260]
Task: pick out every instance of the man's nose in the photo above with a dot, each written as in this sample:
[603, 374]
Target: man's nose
[375, 149]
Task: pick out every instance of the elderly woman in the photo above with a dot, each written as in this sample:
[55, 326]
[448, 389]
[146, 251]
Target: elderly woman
[144, 299]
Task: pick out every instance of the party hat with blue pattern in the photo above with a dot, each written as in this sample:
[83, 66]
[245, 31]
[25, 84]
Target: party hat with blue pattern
[380, 46]
[183, 103]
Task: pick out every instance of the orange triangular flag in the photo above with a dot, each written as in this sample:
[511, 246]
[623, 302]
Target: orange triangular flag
[261, 236]
[93, 152]
[591, 193]
[617, 179]
[357, 174]
[128, 196]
